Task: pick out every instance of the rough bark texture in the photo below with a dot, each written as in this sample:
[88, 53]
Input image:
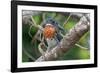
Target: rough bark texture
[68, 41]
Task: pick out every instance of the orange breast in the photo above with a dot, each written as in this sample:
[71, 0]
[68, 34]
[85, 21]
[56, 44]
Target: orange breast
[49, 32]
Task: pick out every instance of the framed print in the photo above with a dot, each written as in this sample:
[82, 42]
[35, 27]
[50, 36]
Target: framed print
[51, 36]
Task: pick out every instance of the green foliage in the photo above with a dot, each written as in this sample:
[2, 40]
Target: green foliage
[76, 53]
[33, 30]
[60, 18]
[38, 18]
[25, 57]
[70, 23]
[27, 45]
[84, 41]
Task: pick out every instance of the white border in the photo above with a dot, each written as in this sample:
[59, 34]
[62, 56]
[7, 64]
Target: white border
[53, 63]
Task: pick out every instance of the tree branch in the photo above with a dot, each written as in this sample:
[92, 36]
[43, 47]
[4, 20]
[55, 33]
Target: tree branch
[68, 41]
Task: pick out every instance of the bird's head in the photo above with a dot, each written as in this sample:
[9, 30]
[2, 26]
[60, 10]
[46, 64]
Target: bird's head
[49, 31]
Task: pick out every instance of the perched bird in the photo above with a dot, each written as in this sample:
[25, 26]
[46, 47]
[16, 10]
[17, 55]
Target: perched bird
[51, 33]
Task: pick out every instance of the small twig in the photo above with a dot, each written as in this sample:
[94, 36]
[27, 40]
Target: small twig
[43, 16]
[80, 46]
[37, 26]
[36, 35]
[67, 19]
[33, 20]
[32, 26]
[29, 55]
[29, 32]
[62, 34]
[39, 31]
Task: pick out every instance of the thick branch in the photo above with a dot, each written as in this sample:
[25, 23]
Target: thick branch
[68, 41]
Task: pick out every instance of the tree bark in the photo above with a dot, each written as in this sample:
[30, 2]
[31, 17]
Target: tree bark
[68, 41]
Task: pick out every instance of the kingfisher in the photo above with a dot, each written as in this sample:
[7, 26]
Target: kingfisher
[51, 33]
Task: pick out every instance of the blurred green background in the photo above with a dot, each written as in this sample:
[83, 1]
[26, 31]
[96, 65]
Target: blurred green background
[30, 49]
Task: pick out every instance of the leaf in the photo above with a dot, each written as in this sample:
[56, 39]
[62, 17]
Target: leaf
[38, 18]
[85, 40]
[33, 31]
[70, 23]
